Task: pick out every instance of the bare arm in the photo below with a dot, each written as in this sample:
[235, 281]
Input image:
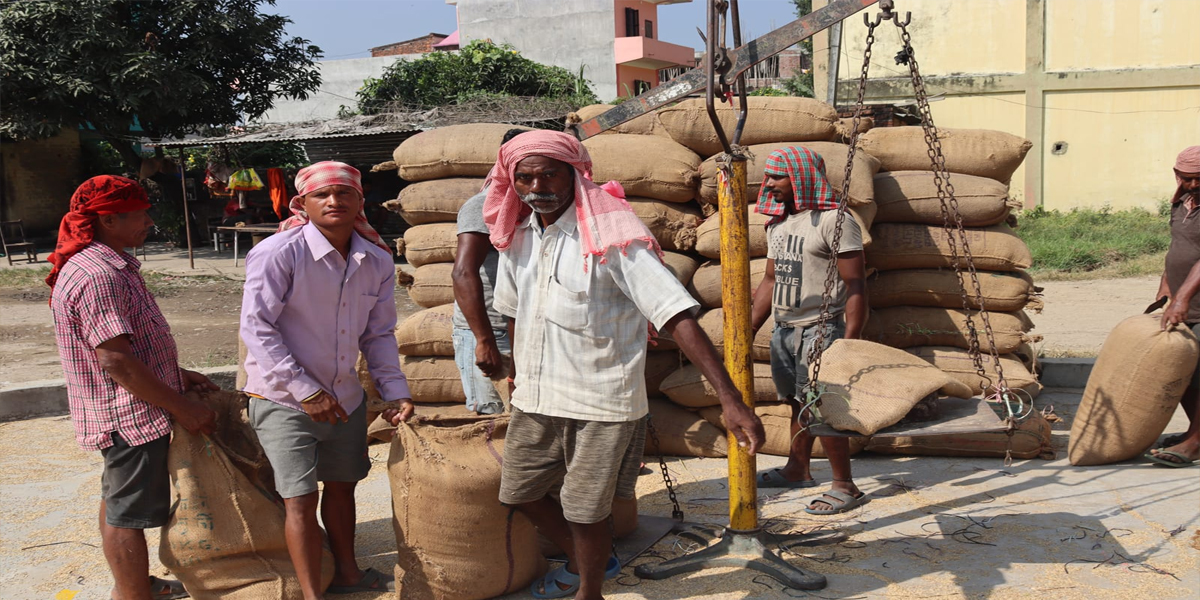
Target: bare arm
[1177, 310]
[852, 269]
[117, 359]
[473, 248]
[742, 421]
[760, 305]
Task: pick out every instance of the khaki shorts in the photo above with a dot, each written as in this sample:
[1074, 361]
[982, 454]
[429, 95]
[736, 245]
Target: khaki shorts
[303, 452]
[591, 460]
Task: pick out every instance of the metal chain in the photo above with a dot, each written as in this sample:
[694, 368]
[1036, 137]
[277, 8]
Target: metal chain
[831, 273]
[676, 512]
[952, 224]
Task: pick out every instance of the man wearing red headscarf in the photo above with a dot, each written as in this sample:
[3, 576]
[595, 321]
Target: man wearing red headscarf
[580, 279]
[124, 384]
[1179, 286]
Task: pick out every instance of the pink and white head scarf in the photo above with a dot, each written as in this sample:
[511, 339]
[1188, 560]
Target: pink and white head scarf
[325, 174]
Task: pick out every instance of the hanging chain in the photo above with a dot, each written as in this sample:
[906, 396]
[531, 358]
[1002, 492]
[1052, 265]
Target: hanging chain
[831, 273]
[952, 224]
[676, 512]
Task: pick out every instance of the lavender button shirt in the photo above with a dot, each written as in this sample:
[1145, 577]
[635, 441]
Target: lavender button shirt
[307, 312]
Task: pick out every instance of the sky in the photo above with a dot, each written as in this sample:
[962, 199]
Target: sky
[349, 28]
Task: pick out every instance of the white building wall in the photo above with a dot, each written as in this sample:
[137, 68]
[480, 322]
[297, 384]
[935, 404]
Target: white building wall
[340, 81]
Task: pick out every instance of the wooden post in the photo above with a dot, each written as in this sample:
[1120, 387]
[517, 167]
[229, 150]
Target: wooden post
[187, 218]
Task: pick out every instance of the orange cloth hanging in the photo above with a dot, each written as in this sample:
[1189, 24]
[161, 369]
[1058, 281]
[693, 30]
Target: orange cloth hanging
[277, 188]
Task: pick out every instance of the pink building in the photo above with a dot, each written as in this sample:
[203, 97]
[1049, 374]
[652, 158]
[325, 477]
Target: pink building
[638, 53]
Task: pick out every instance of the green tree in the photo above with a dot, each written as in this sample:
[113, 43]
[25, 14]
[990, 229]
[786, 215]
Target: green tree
[479, 68]
[169, 66]
[801, 84]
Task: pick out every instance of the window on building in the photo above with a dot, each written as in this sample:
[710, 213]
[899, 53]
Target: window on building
[631, 23]
[649, 28]
[640, 86]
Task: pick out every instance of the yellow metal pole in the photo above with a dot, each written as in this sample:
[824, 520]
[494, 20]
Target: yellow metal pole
[735, 298]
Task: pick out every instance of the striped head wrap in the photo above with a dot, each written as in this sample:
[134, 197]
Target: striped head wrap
[325, 174]
[810, 189]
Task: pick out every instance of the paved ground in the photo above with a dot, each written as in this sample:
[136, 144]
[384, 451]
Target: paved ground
[934, 528]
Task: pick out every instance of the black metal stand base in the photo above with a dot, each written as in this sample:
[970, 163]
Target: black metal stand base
[736, 549]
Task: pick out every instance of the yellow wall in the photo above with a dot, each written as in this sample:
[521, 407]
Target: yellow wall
[1116, 34]
[1002, 112]
[1120, 146]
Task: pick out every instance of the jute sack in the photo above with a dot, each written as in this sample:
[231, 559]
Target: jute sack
[862, 182]
[624, 522]
[1001, 291]
[908, 326]
[869, 386]
[660, 365]
[687, 387]
[956, 363]
[435, 201]
[225, 538]
[774, 119]
[708, 235]
[673, 225]
[682, 266]
[706, 283]
[777, 424]
[433, 379]
[646, 165]
[432, 243]
[682, 432]
[845, 127]
[1136, 384]
[380, 430]
[428, 332]
[453, 151]
[1030, 440]
[240, 379]
[454, 540]
[914, 246]
[432, 285]
[647, 124]
[713, 324]
[980, 152]
[912, 197]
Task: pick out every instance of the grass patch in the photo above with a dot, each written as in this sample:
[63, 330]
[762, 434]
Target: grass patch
[14, 278]
[158, 283]
[1095, 244]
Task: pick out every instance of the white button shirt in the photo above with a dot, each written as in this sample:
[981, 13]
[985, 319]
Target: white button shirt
[580, 336]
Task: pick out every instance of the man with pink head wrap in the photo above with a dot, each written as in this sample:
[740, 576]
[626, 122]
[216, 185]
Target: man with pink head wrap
[317, 294]
[580, 279]
[1179, 286]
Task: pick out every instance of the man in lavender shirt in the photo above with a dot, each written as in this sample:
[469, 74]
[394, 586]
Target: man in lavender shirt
[317, 294]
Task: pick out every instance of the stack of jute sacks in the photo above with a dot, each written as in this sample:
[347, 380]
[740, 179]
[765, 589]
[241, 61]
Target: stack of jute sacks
[914, 293]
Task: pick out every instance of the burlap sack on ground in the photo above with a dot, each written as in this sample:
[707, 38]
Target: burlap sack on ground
[777, 424]
[647, 124]
[659, 366]
[454, 539]
[225, 537]
[713, 324]
[624, 522]
[774, 119]
[428, 332]
[380, 430]
[432, 243]
[433, 379]
[908, 326]
[682, 432]
[980, 152]
[687, 387]
[1028, 355]
[914, 246]
[682, 266]
[453, 151]
[1030, 440]
[869, 386]
[432, 285]
[862, 184]
[706, 283]
[435, 201]
[1001, 291]
[708, 236]
[1136, 384]
[649, 166]
[911, 197]
[956, 362]
[672, 224]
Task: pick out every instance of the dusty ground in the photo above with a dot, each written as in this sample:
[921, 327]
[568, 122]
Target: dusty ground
[203, 313]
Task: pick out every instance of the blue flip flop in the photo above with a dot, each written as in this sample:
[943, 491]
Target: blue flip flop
[560, 574]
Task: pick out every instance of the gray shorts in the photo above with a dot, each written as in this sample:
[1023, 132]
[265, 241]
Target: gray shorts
[591, 460]
[136, 485]
[303, 452]
[789, 355]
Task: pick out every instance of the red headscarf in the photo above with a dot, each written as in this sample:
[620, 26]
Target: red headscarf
[325, 174]
[605, 219]
[101, 195]
[810, 188]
